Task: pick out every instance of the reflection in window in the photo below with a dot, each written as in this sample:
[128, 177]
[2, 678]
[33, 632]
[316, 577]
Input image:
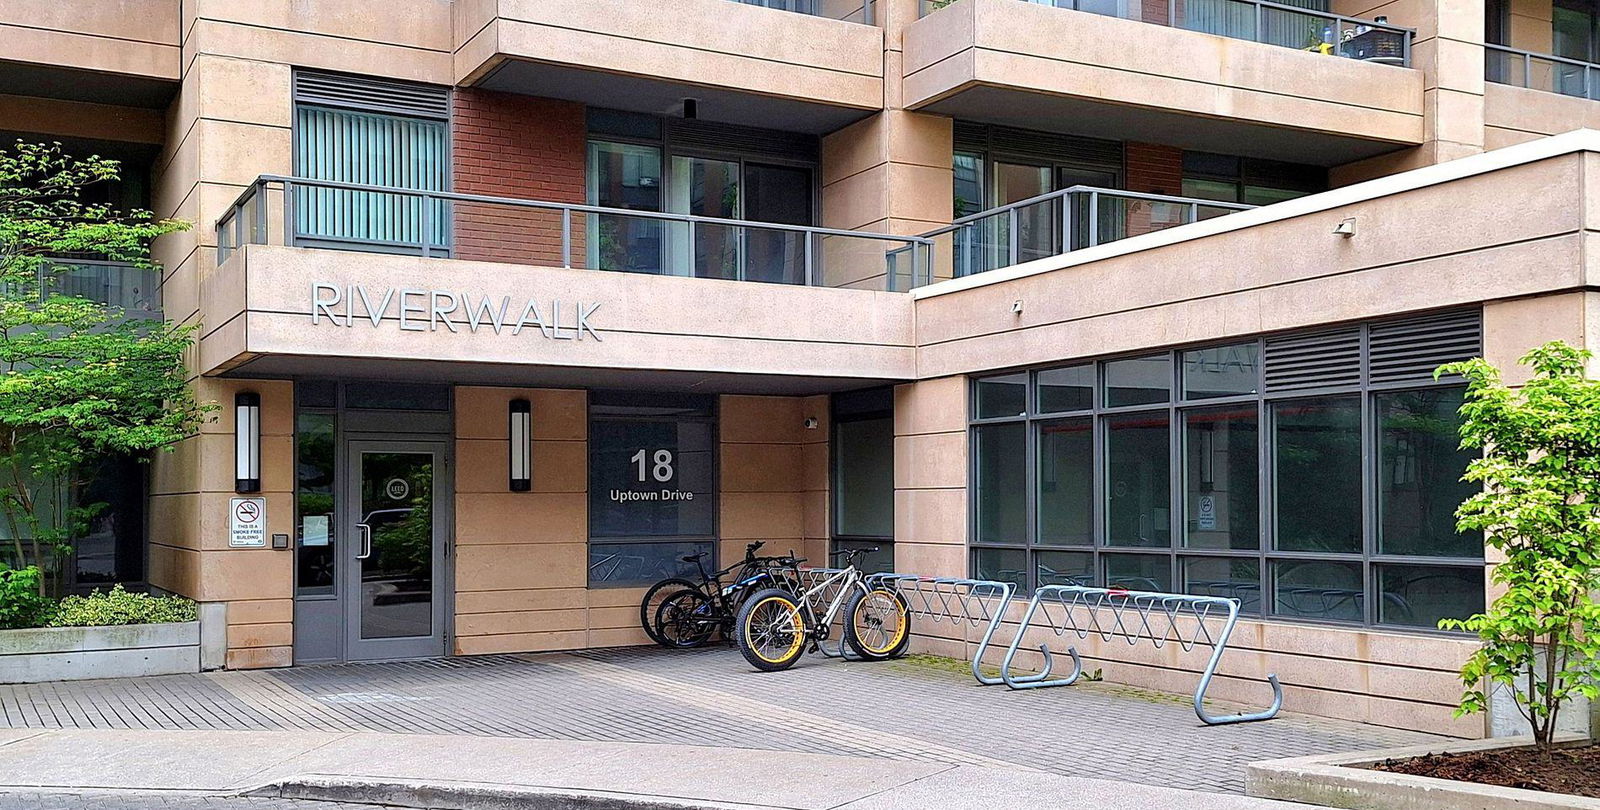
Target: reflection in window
[1139, 381]
[1315, 589]
[625, 176]
[864, 477]
[314, 479]
[1002, 396]
[1221, 371]
[1064, 568]
[620, 564]
[1220, 478]
[1001, 483]
[1420, 464]
[1139, 572]
[1227, 577]
[1002, 565]
[1318, 474]
[1066, 482]
[1421, 595]
[1066, 389]
[1138, 485]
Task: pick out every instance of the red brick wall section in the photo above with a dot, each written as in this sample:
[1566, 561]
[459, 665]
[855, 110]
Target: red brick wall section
[1154, 169]
[509, 145]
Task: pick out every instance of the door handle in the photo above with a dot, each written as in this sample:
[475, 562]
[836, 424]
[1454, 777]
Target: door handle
[366, 541]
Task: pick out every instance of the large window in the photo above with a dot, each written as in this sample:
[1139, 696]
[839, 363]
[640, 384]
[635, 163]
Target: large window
[652, 486]
[863, 474]
[1248, 180]
[1308, 476]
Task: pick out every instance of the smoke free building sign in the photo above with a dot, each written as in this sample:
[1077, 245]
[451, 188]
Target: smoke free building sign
[413, 310]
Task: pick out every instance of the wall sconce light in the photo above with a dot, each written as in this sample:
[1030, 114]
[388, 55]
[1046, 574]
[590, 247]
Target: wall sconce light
[521, 446]
[247, 442]
[1346, 227]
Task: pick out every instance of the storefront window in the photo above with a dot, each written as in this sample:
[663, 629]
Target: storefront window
[1221, 478]
[1420, 464]
[1138, 480]
[1318, 477]
[1309, 481]
[1066, 482]
[1002, 483]
[652, 494]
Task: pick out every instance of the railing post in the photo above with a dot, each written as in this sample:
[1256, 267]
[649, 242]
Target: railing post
[1255, 36]
[1405, 48]
[694, 272]
[260, 229]
[290, 227]
[916, 268]
[1527, 70]
[1172, 13]
[427, 225]
[1066, 223]
[1094, 215]
[809, 257]
[566, 238]
[1013, 238]
[1194, 212]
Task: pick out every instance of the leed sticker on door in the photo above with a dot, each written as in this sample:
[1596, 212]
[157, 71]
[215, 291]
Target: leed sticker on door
[397, 489]
[247, 523]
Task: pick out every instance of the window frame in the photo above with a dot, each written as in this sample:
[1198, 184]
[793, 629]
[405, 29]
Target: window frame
[1178, 406]
[885, 543]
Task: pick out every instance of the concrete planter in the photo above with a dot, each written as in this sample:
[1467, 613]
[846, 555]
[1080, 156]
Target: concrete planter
[1338, 780]
[82, 653]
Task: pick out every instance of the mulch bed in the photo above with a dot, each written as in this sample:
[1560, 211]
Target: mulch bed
[1563, 770]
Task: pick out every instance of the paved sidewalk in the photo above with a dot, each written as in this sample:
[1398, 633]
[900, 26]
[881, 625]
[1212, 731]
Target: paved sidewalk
[363, 766]
[912, 711]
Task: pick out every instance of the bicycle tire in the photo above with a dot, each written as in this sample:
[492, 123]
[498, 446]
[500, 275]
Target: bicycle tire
[652, 602]
[686, 619]
[761, 621]
[893, 642]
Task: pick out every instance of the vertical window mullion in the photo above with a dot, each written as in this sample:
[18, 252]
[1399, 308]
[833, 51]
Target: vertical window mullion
[1177, 517]
[1369, 489]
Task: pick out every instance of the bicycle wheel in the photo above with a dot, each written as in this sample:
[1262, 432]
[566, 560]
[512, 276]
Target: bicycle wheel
[771, 631]
[686, 619]
[877, 624]
[651, 603]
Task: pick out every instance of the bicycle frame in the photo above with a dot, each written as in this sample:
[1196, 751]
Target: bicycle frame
[848, 581]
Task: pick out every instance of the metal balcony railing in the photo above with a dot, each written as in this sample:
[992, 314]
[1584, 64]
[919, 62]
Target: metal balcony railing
[1283, 24]
[860, 11]
[381, 219]
[1063, 221]
[123, 285]
[1541, 71]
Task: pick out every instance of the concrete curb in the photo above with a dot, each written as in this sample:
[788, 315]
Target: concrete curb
[1330, 779]
[436, 795]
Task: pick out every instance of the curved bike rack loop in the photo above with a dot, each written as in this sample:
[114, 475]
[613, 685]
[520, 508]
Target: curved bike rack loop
[1134, 616]
[974, 602]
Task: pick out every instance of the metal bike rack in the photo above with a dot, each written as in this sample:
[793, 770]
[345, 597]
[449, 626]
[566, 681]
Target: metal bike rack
[813, 577]
[1135, 616]
[961, 602]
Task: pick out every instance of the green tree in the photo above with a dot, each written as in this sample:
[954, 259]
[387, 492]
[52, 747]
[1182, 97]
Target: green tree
[1540, 507]
[78, 379]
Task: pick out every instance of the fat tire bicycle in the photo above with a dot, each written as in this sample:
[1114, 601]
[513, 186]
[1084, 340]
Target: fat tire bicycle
[699, 609]
[778, 625]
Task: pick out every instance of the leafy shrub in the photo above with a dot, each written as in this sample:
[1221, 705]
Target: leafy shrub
[119, 607]
[20, 602]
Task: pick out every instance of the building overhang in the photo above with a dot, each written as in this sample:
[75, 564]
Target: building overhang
[125, 53]
[280, 311]
[1039, 67]
[743, 64]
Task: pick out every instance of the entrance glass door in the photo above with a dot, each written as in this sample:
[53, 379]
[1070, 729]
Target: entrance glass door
[396, 560]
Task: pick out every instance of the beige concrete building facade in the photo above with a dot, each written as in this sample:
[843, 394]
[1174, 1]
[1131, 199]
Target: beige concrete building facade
[512, 304]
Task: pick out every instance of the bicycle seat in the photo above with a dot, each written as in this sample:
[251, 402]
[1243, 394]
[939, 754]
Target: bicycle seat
[693, 557]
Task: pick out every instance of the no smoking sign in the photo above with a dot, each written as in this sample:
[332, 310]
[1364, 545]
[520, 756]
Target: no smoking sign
[247, 523]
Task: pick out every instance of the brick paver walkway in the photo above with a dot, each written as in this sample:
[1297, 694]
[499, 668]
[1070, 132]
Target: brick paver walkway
[34, 800]
[914, 709]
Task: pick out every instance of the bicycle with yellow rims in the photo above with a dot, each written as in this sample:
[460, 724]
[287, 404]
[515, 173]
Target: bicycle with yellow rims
[776, 626]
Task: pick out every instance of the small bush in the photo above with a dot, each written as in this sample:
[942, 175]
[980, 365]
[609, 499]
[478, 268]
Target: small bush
[20, 602]
[119, 607]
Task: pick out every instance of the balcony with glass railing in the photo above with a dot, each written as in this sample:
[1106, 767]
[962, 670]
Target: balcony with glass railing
[1286, 24]
[1063, 221]
[300, 212]
[860, 11]
[121, 285]
[1541, 71]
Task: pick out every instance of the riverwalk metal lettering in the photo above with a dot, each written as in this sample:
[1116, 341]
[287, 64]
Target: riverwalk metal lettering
[429, 310]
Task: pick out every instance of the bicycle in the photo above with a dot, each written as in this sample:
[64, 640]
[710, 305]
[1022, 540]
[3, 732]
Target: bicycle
[699, 609]
[776, 626]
